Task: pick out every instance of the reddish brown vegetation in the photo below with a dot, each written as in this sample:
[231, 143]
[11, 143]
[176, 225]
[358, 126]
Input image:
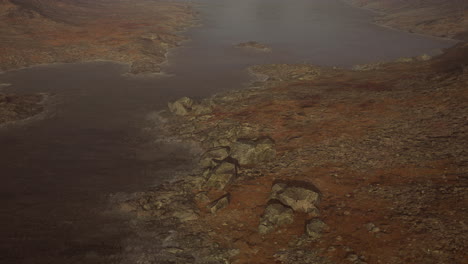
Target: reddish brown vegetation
[387, 150]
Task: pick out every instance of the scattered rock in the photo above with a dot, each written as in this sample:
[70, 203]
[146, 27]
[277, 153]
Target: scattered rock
[220, 176]
[202, 109]
[219, 204]
[275, 215]
[214, 156]
[250, 152]
[372, 228]
[298, 198]
[181, 107]
[314, 228]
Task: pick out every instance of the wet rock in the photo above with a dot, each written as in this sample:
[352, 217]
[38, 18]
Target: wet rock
[254, 45]
[220, 176]
[298, 198]
[250, 152]
[219, 203]
[314, 228]
[371, 227]
[181, 107]
[214, 156]
[202, 109]
[275, 215]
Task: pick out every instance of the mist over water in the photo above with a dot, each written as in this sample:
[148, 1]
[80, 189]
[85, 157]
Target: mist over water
[56, 173]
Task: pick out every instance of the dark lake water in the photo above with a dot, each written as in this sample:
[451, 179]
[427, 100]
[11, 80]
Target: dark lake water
[57, 172]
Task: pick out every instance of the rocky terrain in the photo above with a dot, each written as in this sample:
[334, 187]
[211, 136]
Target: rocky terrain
[138, 33]
[319, 165]
[442, 18]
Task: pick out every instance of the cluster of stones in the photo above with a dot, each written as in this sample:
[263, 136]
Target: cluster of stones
[285, 200]
[221, 164]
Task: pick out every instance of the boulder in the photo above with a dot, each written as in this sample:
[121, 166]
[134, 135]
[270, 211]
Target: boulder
[202, 109]
[219, 203]
[214, 156]
[181, 107]
[300, 199]
[275, 215]
[250, 152]
[315, 228]
[220, 176]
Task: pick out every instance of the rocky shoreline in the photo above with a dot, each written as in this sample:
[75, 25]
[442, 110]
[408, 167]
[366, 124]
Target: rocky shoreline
[318, 165]
[446, 19]
[37, 32]
[15, 107]
[43, 32]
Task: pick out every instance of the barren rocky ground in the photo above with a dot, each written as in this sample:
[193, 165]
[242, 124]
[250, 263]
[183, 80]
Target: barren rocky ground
[47, 31]
[138, 33]
[440, 18]
[318, 165]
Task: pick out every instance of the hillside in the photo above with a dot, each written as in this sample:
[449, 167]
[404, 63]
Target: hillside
[47, 31]
[440, 18]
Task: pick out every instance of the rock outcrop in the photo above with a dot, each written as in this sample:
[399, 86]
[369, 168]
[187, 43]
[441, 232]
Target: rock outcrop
[221, 175]
[250, 152]
[275, 215]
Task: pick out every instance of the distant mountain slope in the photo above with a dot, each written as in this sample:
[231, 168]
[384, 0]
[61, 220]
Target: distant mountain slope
[442, 18]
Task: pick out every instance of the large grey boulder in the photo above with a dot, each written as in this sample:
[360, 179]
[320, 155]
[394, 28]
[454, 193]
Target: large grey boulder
[214, 156]
[181, 107]
[220, 176]
[300, 199]
[250, 152]
[275, 215]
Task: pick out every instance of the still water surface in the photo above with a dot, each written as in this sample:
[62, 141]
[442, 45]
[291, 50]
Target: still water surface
[56, 173]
